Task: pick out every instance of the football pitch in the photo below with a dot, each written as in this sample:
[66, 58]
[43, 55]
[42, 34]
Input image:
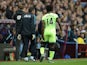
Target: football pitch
[82, 61]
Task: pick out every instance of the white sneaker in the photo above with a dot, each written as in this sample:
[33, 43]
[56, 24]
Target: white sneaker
[26, 59]
[32, 58]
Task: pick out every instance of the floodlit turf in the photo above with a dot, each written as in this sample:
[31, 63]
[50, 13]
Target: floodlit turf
[45, 62]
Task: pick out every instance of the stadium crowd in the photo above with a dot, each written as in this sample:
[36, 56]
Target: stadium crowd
[71, 12]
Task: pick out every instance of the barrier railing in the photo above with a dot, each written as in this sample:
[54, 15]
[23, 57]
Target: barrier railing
[74, 49]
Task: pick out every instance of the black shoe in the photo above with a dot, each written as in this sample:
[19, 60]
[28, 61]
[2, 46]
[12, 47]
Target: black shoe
[41, 58]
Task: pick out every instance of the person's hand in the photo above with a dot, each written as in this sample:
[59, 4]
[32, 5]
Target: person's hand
[33, 36]
[19, 37]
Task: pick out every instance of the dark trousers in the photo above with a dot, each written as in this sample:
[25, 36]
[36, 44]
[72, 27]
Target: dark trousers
[27, 46]
[17, 53]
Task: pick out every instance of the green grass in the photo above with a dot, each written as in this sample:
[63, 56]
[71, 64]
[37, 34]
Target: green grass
[45, 62]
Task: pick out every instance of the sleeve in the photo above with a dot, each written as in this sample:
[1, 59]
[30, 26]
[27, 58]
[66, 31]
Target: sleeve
[18, 19]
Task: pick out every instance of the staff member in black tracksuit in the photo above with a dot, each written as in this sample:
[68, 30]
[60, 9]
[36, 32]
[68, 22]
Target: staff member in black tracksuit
[27, 30]
[17, 17]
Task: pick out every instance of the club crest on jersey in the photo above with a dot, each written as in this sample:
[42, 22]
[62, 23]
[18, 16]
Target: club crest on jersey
[18, 17]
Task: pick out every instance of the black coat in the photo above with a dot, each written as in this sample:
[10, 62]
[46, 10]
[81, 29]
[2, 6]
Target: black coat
[17, 18]
[28, 26]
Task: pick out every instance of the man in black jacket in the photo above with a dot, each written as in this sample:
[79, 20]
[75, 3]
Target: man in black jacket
[17, 17]
[27, 32]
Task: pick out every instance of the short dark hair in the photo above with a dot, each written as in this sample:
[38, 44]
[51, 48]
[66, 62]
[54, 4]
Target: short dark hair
[49, 8]
[31, 9]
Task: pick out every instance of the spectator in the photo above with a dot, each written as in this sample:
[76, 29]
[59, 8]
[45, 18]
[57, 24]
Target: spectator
[9, 12]
[80, 39]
